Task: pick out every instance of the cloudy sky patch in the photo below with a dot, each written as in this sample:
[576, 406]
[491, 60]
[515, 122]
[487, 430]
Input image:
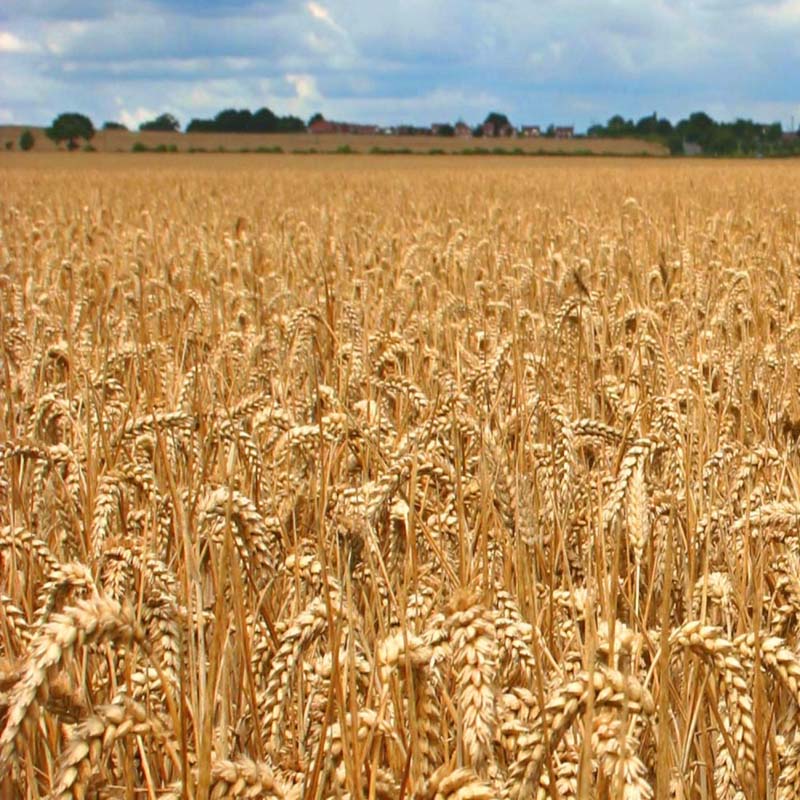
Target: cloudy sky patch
[561, 61]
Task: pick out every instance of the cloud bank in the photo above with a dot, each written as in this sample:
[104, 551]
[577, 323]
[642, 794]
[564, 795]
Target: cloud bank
[562, 61]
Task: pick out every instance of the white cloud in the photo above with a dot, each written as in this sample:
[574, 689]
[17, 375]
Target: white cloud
[318, 11]
[9, 43]
[133, 119]
[304, 85]
[307, 96]
[788, 11]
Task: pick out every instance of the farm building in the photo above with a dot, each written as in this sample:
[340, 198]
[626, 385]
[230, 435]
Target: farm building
[322, 125]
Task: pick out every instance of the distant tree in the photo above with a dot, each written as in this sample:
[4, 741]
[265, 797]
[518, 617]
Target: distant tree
[26, 140]
[550, 132]
[446, 130]
[745, 134]
[163, 122]
[773, 132]
[698, 128]
[496, 119]
[69, 127]
[477, 131]
[200, 126]
[647, 126]
[619, 126]
[663, 127]
[315, 118]
[232, 121]
[675, 143]
[265, 121]
[723, 141]
[596, 130]
[114, 126]
[291, 124]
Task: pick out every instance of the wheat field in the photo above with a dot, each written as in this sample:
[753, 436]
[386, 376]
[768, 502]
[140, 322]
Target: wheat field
[324, 478]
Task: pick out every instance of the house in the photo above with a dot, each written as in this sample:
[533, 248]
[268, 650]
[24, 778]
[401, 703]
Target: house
[691, 148]
[361, 130]
[322, 125]
[564, 131]
[463, 130]
[531, 131]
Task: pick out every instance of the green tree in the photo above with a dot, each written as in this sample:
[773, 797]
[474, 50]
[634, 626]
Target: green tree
[70, 126]
[699, 128]
[773, 132]
[26, 140]
[291, 124]
[114, 126]
[648, 125]
[619, 126]
[496, 119]
[232, 121]
[723, 141]
[163, 122]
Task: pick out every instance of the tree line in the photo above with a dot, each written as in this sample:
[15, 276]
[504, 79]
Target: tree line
[742, 137]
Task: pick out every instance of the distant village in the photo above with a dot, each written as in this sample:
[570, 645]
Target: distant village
[489, 129]
[698, 134]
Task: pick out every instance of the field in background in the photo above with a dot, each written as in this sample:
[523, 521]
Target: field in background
[124, 141]
[334, 477]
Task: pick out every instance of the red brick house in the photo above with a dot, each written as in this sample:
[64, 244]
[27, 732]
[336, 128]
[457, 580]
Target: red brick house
[463, 130]
[564, 131]
[322, 125]
[531, 131]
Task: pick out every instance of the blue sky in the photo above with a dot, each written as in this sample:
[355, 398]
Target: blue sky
[417, 61]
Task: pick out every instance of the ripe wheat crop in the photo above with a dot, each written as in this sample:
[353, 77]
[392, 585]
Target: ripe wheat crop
[392, 479]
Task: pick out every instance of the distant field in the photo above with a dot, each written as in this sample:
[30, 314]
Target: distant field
[234, 162]
[124, 141]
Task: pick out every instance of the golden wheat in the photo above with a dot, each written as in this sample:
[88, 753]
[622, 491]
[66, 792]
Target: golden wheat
[354, 479]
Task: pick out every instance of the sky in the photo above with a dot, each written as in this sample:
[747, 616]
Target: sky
[566, 62]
